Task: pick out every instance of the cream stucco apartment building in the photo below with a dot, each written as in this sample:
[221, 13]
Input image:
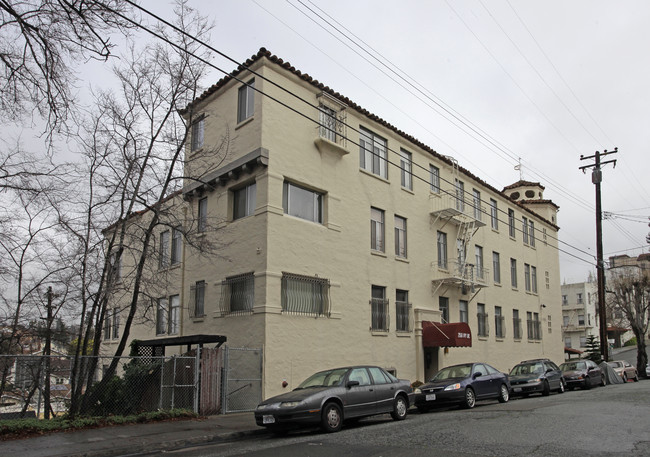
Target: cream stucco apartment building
[343, 240]
[579, 314]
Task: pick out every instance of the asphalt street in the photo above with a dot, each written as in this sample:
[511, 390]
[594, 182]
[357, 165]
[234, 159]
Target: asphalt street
[602, 421]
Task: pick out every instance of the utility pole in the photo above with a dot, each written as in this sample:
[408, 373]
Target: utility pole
[596, 178]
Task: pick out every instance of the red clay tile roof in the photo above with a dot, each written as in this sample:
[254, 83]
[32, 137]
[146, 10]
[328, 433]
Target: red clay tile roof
[263, 52]
[521, 183]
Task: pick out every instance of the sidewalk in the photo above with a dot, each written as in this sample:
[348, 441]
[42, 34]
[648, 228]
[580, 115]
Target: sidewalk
[131, 439]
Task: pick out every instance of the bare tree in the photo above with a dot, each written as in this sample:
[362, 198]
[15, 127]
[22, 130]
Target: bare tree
[41, 41]
[629, 295]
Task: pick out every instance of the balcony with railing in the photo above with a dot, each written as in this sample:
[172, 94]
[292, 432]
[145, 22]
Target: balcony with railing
[459, 274]
[457, 210]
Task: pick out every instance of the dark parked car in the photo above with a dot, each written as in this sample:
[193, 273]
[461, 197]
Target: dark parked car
[582, 373]
[330, 397]
[463, 384]
[537, 375]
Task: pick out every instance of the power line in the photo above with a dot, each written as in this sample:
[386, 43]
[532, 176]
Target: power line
[165, 39]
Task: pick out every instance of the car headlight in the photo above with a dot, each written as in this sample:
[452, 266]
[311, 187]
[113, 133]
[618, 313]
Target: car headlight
[417, 390]
[453, 387]
[537, 380]
[289, 404]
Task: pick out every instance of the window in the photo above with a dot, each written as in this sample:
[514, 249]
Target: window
[176, 246]
[198, 128]
[460, 195]
[531, 233]
[377, 229]
[516, 324]
[511, 223]
[115, 262]
[108, 322]
[443, 306]
[434, 179]
[174, 313]
[478, 254]
[513, 273]
[496, 267]
[464, 311]
[372, 153]
[565, 320]
[580, 299]
[238, 294]
[482, 320]
[581, 319]
[583, 341]
[203, 214]
[527, 277]
[494, 214]
[402, 311]
[544, 235]
[406, 171]
[400, 237]
[567, 342]
[163, 255]
[379, 309]
[246, 101]
[197, 297]
[477, 204]
[244, 201]
[524, 229]
[461, 253]
[442, 250]
[533, 279]
[305, 295]
[161, 316]
[550, 326]
[303, 203]
[329, 124]
[565, 300]
[499, 327]
[534, 326]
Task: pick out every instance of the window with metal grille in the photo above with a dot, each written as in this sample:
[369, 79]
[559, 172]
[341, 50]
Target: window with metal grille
[238, 294]
[516, 324]
[305, 295]
[499, 325]
[402, 311]
[379, 316]
[482, 320]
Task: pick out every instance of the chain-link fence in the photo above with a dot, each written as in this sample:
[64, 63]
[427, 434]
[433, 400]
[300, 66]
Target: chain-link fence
[139, 384]
[243, 379]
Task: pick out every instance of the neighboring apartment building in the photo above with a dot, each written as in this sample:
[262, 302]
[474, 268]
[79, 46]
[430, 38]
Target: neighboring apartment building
[347, 242]
[579, 313]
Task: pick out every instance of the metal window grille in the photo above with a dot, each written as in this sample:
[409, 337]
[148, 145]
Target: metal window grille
[305, 295]
[379, 314]
[238, 294]
[403, 316]
[483, 327]
[499, 326]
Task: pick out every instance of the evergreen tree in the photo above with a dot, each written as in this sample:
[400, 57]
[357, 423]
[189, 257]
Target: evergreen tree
[593, 349]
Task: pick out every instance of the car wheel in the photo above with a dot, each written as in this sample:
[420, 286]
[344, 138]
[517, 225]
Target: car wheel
[470, 398]
[636, 377]
[332, 419]
[546, 391]
[561, 389]
[400, 407]
[504, 394]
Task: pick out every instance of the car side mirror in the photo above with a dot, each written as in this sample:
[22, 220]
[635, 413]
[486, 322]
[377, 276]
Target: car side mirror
[352, 384]
[548, 370]
[477, 374]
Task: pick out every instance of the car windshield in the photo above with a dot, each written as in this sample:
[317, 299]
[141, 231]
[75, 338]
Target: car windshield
[572, 366]
[457, 371]
[615, 364]
[528, 368]
[324, 379]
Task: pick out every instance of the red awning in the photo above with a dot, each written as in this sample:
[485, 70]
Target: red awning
[456, 334]
[572, 351]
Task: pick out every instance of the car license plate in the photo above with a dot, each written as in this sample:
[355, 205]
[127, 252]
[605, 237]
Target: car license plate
[517, 389]
[431, 397]
[268, 419]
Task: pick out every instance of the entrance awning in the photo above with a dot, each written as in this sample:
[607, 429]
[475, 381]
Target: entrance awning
[457, 334]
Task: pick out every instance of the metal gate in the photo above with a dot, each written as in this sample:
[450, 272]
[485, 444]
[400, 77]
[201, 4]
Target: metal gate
[242, 379]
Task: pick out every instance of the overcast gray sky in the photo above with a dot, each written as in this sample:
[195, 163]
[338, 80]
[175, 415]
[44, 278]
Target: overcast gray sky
[541, 81]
